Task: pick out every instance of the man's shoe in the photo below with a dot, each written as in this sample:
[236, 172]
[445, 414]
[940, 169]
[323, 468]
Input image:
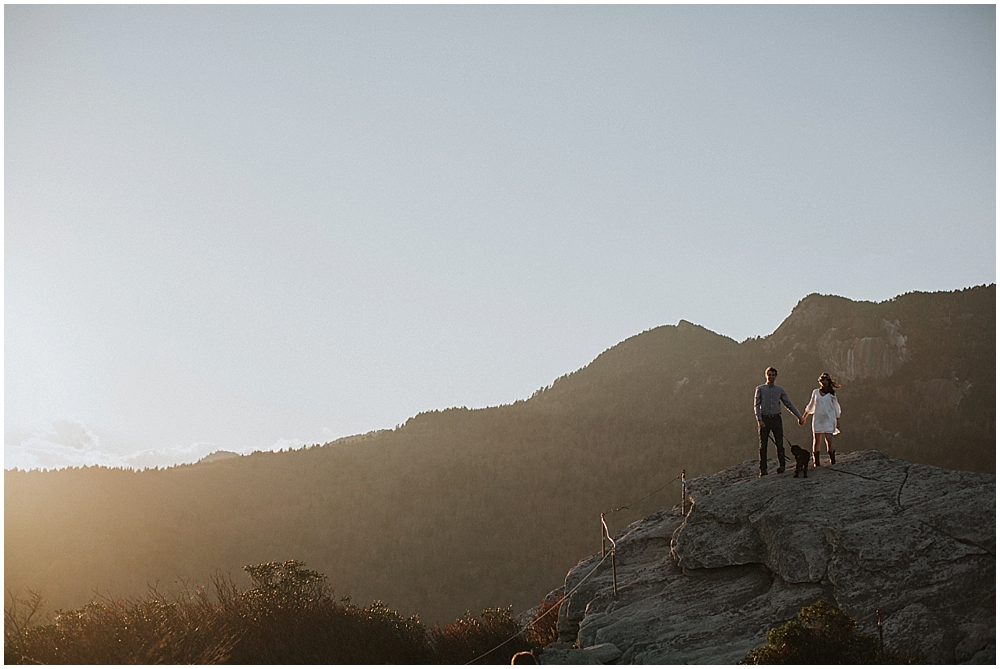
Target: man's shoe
[781, 470]
[762, 474]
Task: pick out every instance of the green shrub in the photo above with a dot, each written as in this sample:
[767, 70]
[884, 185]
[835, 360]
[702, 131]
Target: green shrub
[542, 627]
[822, 634]
[288, 616]
[118, 632]
[492, 638]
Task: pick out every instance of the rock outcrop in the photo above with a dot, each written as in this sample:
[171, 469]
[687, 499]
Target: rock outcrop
[910, 543]
[850, 358]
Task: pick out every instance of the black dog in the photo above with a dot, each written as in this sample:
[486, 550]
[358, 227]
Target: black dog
[801, 461]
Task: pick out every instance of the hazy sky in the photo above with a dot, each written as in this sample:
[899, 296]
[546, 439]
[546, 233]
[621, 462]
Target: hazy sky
[250, 227]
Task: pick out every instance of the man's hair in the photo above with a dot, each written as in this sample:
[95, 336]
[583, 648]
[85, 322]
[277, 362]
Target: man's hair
[770, 369]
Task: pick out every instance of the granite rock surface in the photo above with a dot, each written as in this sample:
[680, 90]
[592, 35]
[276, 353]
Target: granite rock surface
[912, 544]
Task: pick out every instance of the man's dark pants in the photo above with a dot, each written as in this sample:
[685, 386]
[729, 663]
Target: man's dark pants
[772, 425]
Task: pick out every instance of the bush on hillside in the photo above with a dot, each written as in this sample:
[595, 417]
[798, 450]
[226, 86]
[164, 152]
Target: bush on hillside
[288, 616]
[542, 628]
[492, 638]
[822, 634]
[151, 631]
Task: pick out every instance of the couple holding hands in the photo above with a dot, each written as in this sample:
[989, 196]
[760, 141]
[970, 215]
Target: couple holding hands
[823, 406]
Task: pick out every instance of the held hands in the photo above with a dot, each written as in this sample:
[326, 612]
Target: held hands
[802, 421]
[760, 424]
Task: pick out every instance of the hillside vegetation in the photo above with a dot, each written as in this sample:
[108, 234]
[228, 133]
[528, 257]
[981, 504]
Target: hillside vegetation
[289, 616]
[471, 509]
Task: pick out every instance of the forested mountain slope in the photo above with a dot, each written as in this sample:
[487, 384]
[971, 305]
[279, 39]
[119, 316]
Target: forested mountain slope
[465, 509]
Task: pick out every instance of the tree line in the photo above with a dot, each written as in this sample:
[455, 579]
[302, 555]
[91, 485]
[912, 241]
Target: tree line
[478, 509]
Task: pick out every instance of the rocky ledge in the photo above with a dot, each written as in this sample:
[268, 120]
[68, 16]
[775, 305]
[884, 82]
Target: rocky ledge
[910, 543]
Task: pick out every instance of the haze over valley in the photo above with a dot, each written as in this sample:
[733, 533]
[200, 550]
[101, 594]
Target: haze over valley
[408, 296]
[467, 509]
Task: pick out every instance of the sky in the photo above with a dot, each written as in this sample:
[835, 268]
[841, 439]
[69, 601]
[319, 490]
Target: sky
[256, 227]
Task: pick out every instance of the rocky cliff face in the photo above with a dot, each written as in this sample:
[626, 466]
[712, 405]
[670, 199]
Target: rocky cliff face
[853, 358]
[872, 534]
[868, 346]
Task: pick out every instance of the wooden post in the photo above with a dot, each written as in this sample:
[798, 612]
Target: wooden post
[614, 574]
[604, 544]
[614, 571]
[684, 495]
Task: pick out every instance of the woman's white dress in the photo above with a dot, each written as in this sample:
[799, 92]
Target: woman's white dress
[825, 410]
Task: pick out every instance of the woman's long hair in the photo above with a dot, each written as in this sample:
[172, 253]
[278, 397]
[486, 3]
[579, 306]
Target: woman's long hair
[827, 384]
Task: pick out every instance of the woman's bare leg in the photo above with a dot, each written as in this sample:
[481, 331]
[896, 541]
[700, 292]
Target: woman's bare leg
[818, 441]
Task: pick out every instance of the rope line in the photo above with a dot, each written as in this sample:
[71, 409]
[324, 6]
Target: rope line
[622, 508]
[607, 535]
[605, 556]
[547, 612]
[869, 616]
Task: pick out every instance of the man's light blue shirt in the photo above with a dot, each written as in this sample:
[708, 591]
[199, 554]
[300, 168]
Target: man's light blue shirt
[768, 400]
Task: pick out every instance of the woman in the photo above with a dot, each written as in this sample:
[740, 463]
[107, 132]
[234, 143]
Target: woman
[825, 409]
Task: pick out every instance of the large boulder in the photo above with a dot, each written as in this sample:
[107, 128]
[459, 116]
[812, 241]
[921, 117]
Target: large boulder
[910, 544]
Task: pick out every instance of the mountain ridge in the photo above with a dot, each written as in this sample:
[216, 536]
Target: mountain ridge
[468, 509]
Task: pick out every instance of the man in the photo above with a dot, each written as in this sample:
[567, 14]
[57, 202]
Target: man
[767, 403]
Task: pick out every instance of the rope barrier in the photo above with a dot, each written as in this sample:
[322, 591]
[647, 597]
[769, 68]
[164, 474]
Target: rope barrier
[606, 533]
[606, 536]
[547, 612]
[642, 499]
[614, 570]
[604, 556]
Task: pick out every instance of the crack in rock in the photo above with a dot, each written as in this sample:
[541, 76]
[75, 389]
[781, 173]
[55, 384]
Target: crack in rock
[748, 557]
[899, 493]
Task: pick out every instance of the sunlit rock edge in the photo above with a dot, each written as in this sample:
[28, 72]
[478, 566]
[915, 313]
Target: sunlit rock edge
[913, 542]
